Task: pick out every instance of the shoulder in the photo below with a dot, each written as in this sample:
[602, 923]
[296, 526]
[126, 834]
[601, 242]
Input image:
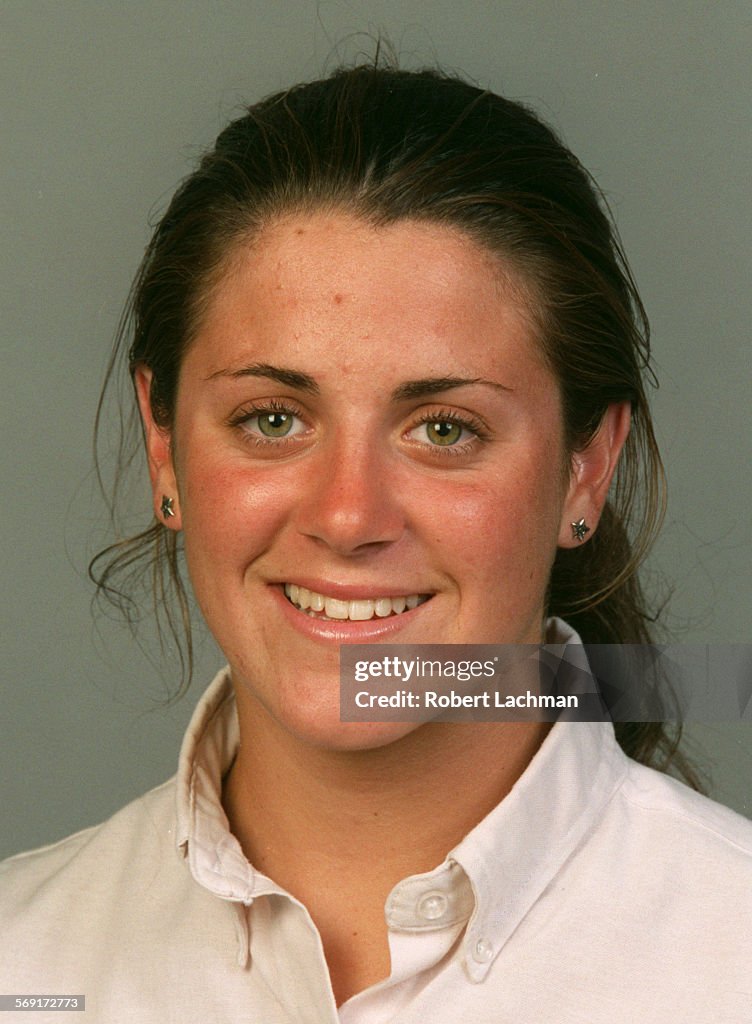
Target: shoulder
[657, 903]
[63, 887]
[680, 863]
[101, 908]
[663, 805]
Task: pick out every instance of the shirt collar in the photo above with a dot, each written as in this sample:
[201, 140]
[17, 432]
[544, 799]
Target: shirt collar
[509, 858]
[203, 834]
[516, 851]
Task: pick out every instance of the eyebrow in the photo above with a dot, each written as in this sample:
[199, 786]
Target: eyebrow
[410, 389]
[435, 385]
[282, 374]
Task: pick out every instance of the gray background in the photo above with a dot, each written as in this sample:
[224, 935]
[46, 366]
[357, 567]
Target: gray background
[106, 104]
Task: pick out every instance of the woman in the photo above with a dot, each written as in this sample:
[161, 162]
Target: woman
[387, 357]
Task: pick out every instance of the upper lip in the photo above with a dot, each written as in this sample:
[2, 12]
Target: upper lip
[354, 591]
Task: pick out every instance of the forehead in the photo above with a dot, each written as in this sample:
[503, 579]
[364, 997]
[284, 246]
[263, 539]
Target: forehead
[328, 284]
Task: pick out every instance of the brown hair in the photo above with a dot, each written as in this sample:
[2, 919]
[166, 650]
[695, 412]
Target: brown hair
[387, 145]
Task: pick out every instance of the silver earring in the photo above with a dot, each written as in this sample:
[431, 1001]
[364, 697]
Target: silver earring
[167, 507]
[580, 529]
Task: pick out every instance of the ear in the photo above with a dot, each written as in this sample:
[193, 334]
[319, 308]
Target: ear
[592, 470]
[158, 454]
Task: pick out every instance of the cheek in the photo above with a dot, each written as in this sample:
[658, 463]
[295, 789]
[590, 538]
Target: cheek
[229, 513]
[510, 518]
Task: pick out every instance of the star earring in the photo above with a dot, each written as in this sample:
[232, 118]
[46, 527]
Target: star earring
[167, 507]
[580, 529]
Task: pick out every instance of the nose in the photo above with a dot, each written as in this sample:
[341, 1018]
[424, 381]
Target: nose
[353, 503]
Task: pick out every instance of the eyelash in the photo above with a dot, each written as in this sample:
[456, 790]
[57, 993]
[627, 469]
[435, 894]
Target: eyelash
[466, 421]
[256, 410]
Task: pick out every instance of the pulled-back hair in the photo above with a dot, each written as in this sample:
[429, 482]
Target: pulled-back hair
[388, 145]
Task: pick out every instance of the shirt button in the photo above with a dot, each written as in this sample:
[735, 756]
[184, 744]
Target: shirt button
[483, 951]
[432, 906]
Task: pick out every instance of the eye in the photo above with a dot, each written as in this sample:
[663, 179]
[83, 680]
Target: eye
[274, 424]
[443, 432]
[270, 422]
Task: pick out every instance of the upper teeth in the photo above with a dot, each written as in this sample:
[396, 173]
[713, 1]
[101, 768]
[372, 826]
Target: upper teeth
[359, 610]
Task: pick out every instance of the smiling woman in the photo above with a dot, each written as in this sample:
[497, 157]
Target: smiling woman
[389, 363]
[359, 474]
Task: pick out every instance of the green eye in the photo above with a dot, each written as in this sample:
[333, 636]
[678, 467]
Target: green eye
[443, 432]
[270, 422]
[275, 424]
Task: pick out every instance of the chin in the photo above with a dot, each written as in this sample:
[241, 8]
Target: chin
[345, 737]
[308, 712]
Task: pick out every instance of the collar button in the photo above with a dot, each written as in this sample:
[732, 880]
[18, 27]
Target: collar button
[432, 906]
[482, 951]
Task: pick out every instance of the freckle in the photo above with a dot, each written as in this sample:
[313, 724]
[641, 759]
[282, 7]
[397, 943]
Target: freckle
[338, 299]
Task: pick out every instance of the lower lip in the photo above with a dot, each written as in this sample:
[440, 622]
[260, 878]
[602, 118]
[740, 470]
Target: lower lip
[344, 631]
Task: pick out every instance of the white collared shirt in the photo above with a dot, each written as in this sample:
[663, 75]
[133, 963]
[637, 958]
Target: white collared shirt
[597, 891]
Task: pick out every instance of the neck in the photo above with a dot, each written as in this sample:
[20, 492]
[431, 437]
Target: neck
[339, 829]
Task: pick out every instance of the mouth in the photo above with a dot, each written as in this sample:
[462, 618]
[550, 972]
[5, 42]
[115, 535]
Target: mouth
[328, 609]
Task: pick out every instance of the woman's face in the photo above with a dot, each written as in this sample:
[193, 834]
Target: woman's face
[364, 425]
